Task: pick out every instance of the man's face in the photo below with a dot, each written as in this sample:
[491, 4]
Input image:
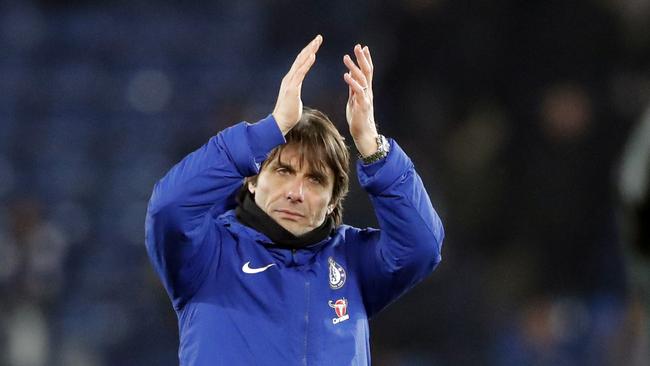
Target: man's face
[294, 195]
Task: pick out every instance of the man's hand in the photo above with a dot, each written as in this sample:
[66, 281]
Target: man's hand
[359, 110]
[288, 108]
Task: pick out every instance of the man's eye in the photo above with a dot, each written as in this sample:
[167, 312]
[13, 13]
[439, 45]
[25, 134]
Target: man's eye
[315, 180]
[282, 171]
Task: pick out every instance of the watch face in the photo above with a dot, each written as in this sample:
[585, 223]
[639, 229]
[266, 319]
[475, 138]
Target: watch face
[383, 144]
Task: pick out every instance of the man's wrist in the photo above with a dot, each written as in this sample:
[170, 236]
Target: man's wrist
[366, 145]
[282, 125]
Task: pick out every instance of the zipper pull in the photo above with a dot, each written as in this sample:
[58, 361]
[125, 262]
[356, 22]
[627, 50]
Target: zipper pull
[293, 256]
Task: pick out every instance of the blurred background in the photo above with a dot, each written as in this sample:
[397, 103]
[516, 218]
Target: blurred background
[525, 119]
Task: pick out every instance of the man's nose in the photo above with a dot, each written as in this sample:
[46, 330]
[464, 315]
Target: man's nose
[295, 190]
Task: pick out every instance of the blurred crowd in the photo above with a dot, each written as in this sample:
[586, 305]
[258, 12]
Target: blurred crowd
[516, 115]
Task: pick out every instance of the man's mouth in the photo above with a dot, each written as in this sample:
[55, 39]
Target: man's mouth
[290, 214]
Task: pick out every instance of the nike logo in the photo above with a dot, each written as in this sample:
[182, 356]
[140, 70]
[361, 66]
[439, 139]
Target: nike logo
[248, 269]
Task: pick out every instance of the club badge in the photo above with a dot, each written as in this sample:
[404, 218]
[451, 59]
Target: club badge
[340, 307]
[337, 275]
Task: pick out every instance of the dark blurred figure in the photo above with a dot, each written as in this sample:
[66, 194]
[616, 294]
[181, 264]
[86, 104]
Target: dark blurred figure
[32, 276]
[564, 190]
[634, 189]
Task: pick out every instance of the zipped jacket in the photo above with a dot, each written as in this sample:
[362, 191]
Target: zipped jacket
[242, 300]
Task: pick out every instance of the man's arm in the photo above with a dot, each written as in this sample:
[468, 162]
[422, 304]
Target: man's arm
[407, 248]
[408, 245]
[180, 235]
[179, 232]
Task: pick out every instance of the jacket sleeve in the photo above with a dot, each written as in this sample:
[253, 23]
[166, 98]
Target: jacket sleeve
[407, 247]
[181, 238]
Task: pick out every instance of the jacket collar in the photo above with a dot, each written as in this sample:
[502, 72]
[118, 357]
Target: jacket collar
[232, 224]
[251, 215]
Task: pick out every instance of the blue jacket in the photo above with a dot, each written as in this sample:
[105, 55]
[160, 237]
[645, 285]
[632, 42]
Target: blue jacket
[240, 300]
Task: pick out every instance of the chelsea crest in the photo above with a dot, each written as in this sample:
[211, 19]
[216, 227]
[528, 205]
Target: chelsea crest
[337, 274]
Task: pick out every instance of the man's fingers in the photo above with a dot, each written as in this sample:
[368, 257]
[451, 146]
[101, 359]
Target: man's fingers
[305, 55]
[356, 87]
[366, 50]
[299, 74]
[310, 48]
[355, 71]
[362, 61]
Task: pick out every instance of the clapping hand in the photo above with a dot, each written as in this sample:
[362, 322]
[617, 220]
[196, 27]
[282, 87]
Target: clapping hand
[288, 108]
[359, 110]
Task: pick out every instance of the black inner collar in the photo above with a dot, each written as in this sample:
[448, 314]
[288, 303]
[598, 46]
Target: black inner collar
[250, 214]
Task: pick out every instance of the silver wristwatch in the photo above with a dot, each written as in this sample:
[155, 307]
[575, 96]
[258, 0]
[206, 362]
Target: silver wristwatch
[382, 150]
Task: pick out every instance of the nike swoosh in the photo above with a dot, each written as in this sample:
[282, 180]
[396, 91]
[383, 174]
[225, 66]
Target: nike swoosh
[248, 269]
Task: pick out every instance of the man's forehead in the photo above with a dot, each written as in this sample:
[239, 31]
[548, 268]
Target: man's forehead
[301, 159]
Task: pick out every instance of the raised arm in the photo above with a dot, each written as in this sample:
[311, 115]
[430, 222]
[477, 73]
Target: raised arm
[407, 246]
[180, 235]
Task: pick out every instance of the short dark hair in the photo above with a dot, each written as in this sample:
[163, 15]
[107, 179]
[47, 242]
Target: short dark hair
[321, 144]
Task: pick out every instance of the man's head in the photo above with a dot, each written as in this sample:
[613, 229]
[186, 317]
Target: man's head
[305, 180]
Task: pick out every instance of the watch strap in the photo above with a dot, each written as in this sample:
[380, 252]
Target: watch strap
[382, 150]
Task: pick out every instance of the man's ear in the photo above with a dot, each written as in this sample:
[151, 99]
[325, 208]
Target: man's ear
[251, 187]
[332, 206]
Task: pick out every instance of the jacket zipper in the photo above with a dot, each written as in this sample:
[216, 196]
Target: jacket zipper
[304, 358]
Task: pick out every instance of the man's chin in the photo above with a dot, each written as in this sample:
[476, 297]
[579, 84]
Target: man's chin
[296, 230]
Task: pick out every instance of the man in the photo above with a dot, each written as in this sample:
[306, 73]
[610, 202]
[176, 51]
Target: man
[270, 276]
[634, 215]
